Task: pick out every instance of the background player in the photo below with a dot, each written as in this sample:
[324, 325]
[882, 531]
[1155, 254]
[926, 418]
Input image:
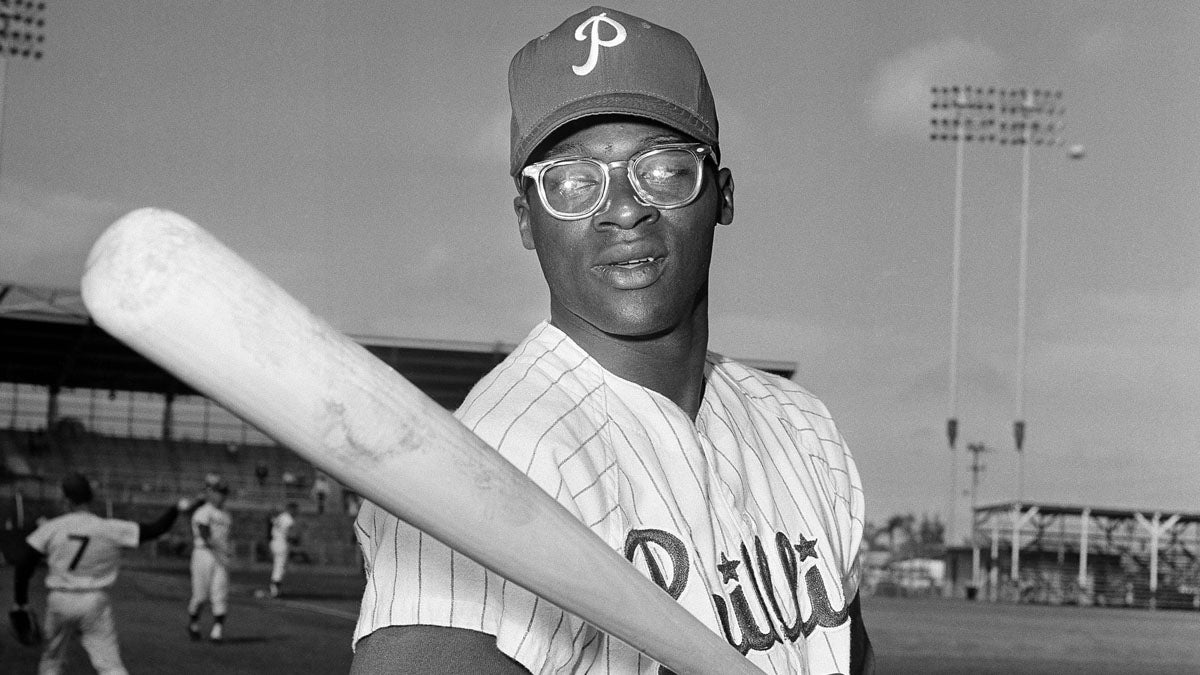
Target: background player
[732, 489]
[210, 561]
[83, 555]
[284, 534]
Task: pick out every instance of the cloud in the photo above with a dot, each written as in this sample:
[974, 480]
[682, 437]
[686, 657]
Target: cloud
[779, 337]
[1100, 45]
[1133, 318]
[1187, 314]
[46, 235]
[491, 140]
[436, 261]
[898, 95]
[1131, 346]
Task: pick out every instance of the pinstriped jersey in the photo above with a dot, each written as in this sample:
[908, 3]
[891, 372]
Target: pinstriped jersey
[750, 516]
[83, 550]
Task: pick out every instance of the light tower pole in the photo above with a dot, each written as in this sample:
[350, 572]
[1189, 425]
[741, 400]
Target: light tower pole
[1007, 117]
[961, 114]
[1040, 114]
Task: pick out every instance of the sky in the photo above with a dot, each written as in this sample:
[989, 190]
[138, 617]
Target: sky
[357, 154]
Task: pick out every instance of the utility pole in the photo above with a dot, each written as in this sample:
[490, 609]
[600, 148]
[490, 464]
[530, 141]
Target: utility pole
[976, 449]
[977, 467]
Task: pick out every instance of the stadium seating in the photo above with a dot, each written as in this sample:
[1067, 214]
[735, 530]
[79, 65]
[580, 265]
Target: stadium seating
[136, 477]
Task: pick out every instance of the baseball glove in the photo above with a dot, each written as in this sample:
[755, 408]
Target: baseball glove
[25, 626]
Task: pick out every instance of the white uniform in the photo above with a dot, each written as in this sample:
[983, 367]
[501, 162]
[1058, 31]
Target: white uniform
[210, 560]
[759, 491]
[83, 553]
[281, 528]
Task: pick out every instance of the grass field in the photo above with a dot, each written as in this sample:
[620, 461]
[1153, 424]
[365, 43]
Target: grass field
[309, 632]
[913, 635]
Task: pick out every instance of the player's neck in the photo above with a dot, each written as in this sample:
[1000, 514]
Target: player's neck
[670, 363]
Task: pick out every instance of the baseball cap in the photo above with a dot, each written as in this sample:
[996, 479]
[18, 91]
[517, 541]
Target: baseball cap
[602, 61]
[77, 489]
[217, 484]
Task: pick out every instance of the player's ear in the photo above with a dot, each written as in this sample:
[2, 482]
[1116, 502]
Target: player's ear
[725, 206]
[521, 206]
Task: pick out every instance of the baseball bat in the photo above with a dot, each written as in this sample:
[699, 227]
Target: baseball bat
[172, 292]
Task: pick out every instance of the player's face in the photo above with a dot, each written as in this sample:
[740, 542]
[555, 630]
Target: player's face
[629, 270]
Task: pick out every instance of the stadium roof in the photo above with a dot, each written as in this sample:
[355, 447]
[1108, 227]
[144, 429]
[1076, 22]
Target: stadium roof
[49, 340]
[1094, 511]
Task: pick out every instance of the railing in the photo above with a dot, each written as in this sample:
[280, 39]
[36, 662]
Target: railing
[126, 413]
[327, 540]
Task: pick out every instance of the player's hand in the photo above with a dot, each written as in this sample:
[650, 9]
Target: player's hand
[25, 626]
[183, 504]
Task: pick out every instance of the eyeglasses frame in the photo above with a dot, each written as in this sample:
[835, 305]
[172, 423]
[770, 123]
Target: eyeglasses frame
[537, 170]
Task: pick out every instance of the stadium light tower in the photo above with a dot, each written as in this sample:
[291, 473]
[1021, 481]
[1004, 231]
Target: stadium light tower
[21, 37]
[1035, 121]
[1024, 118]
[960, 115]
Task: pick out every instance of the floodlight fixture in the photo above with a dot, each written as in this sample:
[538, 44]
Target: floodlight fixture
[22, 35]
[1005, 116]
[22, 27]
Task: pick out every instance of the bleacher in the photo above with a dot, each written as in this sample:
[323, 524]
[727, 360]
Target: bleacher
[160, 470]
[146, 437]
[135, 478]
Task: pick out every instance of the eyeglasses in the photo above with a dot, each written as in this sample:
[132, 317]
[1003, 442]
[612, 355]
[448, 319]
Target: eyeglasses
[665, 176]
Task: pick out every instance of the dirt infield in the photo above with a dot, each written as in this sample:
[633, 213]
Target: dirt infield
[309, 630]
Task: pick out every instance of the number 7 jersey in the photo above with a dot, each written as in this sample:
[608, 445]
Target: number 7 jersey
[83, 550]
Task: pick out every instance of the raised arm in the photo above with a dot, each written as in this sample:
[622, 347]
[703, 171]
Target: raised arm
[161, 525]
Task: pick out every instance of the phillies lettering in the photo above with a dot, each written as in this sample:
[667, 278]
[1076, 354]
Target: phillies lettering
[753, 571]
[644, 542]
[758, 573]
[581, 34]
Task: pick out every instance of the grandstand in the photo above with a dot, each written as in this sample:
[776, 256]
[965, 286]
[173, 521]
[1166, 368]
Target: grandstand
[74, 398]
[1064, 554]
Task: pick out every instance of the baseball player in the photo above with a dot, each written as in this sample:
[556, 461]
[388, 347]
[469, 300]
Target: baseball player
[730, 488]
[83, 556]
[210, 561]
[283, 535]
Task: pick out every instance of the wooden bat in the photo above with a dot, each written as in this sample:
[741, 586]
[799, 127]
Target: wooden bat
[173, 293]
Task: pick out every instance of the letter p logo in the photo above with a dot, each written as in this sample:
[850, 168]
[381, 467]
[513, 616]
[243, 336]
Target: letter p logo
[581, 34]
